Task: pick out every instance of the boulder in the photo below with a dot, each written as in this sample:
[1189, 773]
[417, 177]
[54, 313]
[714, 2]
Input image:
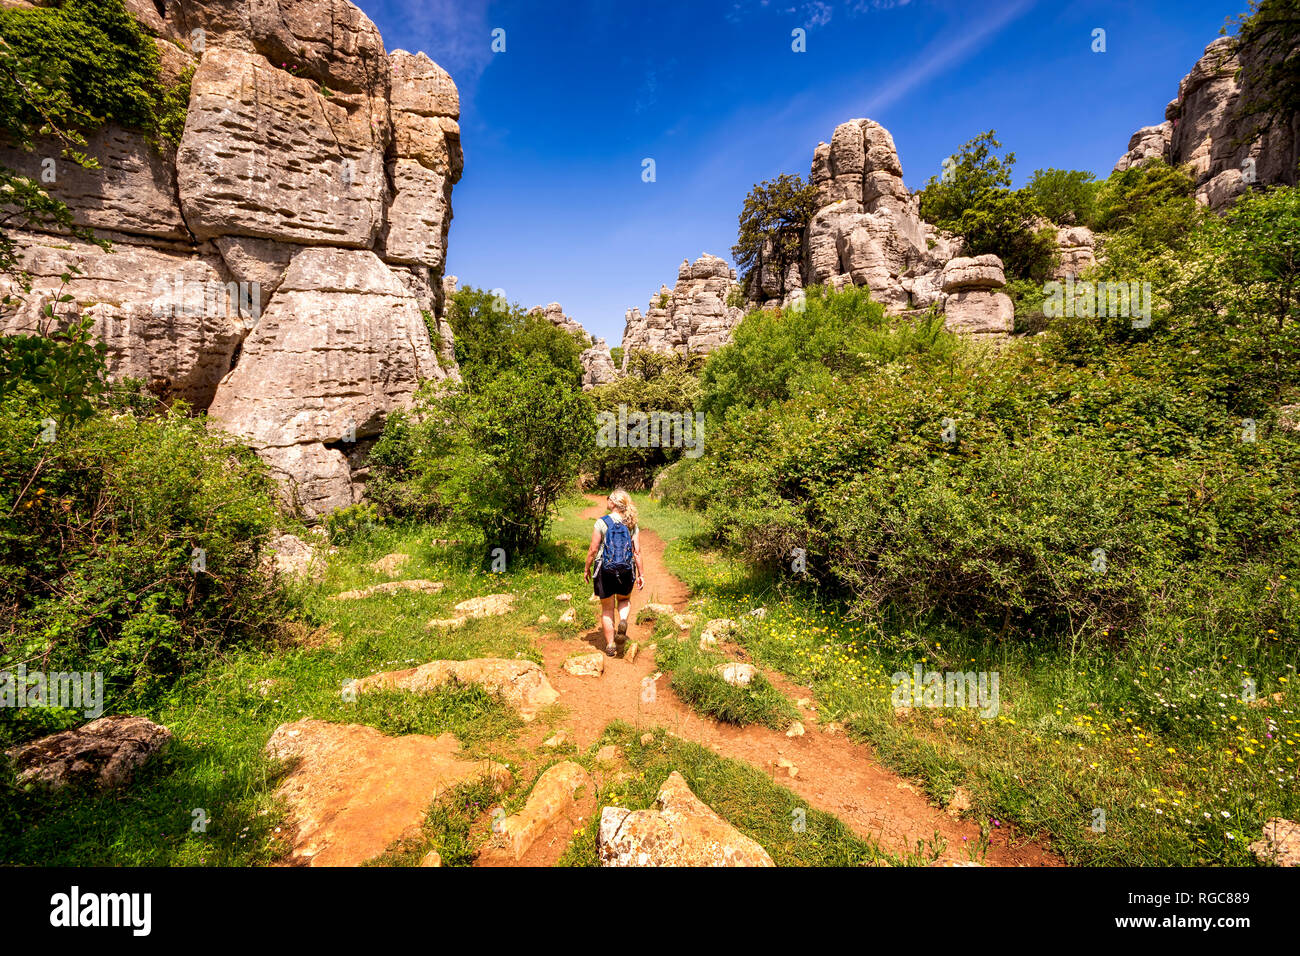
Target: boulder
[979, 312]
[680, 830]
[736, 673]
[354, 791]
[586, 665]
[521, 684]
[490, 605]
[103, 754]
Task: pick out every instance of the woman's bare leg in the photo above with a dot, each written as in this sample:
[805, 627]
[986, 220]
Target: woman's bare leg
[607, 619]
[624, 606]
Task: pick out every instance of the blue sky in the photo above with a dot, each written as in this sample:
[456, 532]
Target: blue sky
[553, 208]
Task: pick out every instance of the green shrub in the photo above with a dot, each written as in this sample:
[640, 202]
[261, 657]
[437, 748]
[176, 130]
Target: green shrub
[496, 455]
[974, 200]
[655, 382]
[129, 544]
[1026, 491]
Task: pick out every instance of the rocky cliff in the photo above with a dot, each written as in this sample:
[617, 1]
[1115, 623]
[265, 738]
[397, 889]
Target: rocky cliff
[1204, 128]
[693, 316]
[283, 268]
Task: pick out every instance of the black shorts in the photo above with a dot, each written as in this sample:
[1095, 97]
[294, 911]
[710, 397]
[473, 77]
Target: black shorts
[611, 583]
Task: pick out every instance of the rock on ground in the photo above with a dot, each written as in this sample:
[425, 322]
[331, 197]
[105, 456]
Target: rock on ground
[104, 754]
[586, 665]
[489, 605]
[522, 684]
[680, 830]
[554, 800]
[1279, 844]
[354, 791]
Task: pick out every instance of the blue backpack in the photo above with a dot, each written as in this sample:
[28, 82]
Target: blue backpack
[617, 555]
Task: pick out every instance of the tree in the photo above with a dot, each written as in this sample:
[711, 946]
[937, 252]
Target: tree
[1065, 196]
[492, 335]
[974, 200]
[772, 224]
[495, 456]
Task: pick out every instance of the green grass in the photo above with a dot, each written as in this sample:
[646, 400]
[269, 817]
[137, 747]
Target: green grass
[695, 679]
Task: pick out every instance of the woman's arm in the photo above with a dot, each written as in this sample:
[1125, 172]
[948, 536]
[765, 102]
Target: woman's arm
[596, 538]
[636, 556]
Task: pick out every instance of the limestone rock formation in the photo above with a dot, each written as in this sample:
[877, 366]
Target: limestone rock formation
[1076, 248]
[354, 791]
[868, 230]
[341, 345]
[1204, 128]
[680, 830]
[104, 753]
[283, 269]
[972, 302]
[692, 317]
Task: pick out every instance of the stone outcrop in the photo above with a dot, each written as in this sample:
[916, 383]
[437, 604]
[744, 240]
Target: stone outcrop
[868, 230]
[354, 791]
[680, 830]
[692, 317]
[521, 684]
[553, 802]
[1205, 129]
[283, 268]
[103, 754]
[972, 301]
[1076, 251]
[341, 344]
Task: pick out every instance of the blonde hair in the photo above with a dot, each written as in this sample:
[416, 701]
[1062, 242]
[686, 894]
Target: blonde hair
[622, 503]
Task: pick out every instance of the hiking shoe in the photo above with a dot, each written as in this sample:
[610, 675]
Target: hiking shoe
[621, 636]
[611, 651]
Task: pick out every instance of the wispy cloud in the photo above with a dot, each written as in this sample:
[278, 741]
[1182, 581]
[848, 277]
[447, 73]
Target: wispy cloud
[457, 35]
[943, 53]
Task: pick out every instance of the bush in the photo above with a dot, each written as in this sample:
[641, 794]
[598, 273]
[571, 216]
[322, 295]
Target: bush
[1015, 491]
[129, 544]
[973, 199]
[1065, 196]
[75, 65]
[655, 382]
[496, 457]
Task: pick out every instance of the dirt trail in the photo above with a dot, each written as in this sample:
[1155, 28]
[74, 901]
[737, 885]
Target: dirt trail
[835, 774]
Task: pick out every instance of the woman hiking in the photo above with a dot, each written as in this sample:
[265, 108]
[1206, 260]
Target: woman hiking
[616, 550]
